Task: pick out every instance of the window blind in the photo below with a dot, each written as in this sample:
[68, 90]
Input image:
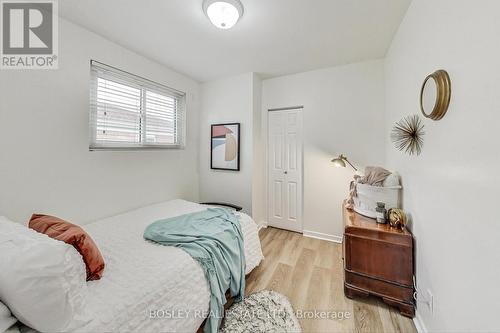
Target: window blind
[130, 112]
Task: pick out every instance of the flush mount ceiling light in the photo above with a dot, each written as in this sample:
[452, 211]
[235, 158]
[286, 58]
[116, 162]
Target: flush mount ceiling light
[223, 13]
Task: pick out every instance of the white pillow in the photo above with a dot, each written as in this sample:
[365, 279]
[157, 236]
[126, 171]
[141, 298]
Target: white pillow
[392, 180]
[6, 319]
[42, 280]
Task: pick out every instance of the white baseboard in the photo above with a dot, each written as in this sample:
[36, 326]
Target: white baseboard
[419, 324]
[261, 225]
[319, 235]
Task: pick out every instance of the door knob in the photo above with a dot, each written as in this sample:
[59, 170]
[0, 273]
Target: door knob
[285, 172]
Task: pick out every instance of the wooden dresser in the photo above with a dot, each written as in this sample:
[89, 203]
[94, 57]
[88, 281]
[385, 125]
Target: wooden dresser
[378, 260]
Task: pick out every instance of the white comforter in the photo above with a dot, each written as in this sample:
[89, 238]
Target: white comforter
[141, 276]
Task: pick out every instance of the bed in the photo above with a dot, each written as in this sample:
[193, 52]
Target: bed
[148, 287]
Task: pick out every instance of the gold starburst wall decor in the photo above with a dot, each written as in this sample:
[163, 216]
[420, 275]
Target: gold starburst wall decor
[407, 135]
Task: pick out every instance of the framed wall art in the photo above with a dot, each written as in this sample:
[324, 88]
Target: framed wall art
[225, 147]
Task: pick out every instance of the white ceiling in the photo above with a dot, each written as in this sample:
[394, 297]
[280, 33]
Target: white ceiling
[274, 37]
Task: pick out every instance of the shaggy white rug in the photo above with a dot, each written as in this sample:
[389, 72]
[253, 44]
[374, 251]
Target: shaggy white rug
[264, 311]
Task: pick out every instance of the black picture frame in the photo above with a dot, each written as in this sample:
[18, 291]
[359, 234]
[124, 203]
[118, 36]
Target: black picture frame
[238, 147]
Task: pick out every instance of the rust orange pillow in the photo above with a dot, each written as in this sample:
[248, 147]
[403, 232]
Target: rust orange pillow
[71, 234]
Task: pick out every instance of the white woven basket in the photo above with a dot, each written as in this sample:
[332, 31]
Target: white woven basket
[368, 196]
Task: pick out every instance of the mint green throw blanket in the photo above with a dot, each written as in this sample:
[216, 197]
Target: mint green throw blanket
[213, 238]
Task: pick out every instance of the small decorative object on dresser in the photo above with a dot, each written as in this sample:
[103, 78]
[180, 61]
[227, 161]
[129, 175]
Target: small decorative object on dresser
[378, 260]
[397, 218]
[381, 213]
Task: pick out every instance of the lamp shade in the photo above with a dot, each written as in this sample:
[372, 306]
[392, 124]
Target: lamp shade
[339, 162]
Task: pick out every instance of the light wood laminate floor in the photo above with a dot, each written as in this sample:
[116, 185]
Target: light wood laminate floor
[309, 272]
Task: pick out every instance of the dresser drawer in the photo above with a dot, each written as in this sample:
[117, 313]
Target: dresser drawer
[379, 287]
[379, 259]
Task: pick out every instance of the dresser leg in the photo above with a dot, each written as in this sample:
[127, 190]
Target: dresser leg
[405, 309]
[354, 292]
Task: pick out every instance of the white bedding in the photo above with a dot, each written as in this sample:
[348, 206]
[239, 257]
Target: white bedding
[141, 276]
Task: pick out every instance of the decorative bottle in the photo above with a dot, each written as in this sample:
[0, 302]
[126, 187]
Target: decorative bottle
[381, 213]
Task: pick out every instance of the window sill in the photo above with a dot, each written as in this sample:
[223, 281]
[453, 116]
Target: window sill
[141, 148]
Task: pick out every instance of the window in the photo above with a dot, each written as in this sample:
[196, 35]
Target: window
[129, 112]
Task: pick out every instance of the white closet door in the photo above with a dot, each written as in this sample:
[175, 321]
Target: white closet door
[285, 169]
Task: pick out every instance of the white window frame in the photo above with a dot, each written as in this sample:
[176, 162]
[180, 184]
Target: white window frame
[100, 70]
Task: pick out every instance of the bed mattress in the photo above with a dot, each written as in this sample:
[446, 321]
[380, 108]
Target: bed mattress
[148, 287]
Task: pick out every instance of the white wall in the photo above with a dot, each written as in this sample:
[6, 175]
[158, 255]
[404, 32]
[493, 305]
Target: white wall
[258, 158]
[451, 190]
[226, 101]
[343, 113]
[45, 164]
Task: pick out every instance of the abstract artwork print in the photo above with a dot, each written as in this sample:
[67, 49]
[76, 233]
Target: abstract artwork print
[225, 147]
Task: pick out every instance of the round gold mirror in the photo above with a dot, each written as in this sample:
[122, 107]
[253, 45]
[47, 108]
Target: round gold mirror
[435, 95]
